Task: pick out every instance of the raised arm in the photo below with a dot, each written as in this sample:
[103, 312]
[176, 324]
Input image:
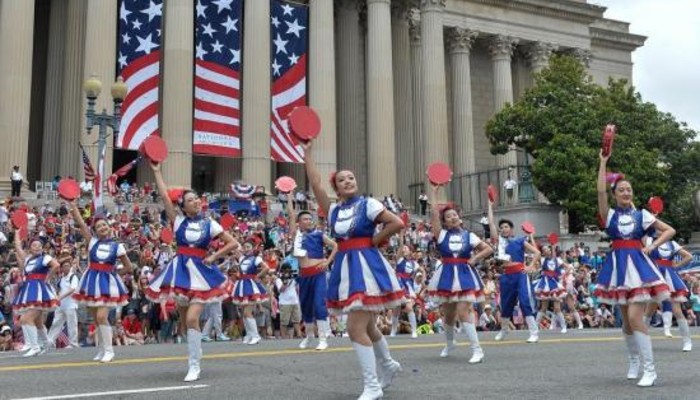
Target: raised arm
[19, 252]
[314, 176]
[435, 224]
[82, 226]
[493, 229]
[163, 190]
[603, 206]
[292, 217]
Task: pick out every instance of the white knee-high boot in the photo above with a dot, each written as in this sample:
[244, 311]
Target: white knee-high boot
[32, 339]
[685, 334]
[414, 324]
[577, 317]
[394, 323]
[534, 330]
[562, 321]
[106, 331]
[667, 318]
[254, 335]
[647, 357]
[477, 351]
[504, 329]
[194, 350]
[449, 339]
[539, 316]
[389, 366]
[633, 356]
[368, 365]
[324, 330]
[99, 343]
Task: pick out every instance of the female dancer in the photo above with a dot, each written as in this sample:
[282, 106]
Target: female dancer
[101, 288]
[456, 284]
[361, 281]
[406, 267]
[309, 249]
[663, 256]
[514, 282]
[549, 289]
[191, 276]
[249, 291]
[628, 277]
[34, 295]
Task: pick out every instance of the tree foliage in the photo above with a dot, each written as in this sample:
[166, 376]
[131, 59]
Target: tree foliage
[559, 122]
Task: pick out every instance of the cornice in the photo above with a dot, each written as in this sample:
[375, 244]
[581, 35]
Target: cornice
[617, 40]
[564, 9]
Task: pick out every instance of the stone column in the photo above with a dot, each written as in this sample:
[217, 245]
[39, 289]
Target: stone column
[16, 44]
[100, 59]
[322, 88]
[350, 60]
[51, 138]
[403, 97]
[255, 110]
[434, 81]
[538, 55]
[177, 86]
[501, 48]
[417, 105]
[380, 100]
[228, 170]
[583, 55]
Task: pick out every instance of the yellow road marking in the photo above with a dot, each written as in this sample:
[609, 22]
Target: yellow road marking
[129, 361]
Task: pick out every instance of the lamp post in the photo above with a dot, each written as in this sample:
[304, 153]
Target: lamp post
[92, 88]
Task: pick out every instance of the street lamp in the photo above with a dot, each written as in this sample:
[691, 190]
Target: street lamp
[92, 88]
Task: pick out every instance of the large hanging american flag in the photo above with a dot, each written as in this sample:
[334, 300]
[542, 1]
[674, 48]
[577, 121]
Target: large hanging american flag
[138, 63]
[217, 78]
[289, 24]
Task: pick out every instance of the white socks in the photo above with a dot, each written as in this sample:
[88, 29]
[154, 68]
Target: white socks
[394, 323]
[43, 336]
[472, 335]
[532, 325]
[106, 337]
[31, 336]
[324, 328]
[683, 327]
[252, 326]
[194, 351]
[449, 334]
[667, 317]
[412, 320]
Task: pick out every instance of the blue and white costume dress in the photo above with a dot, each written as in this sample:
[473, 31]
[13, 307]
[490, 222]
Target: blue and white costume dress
[663, 257]
[34, 293]
[313, 285]
[404, 272]
[514, 282]
[100, 285]
[186, 276]
[628, 275]
[549, 286]
[361, 278]
[455, 280]
[248, 290]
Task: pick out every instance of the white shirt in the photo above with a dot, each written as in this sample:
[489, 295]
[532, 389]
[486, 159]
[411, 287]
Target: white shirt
[289, 296]
[3, 239]
[484, 319]
[31, 221]
[3, 215]
[66, 284]
[86, 186]
[16, 176]
[510, 184]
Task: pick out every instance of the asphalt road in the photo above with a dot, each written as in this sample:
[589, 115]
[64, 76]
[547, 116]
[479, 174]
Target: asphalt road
[577, 365]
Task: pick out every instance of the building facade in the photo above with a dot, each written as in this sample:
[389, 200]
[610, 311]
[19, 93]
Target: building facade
[398, 84]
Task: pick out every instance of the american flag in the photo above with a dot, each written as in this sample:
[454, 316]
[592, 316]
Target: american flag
[112, 180]
[138, 63]
[87, 165]
[289, 25]
[217, 78]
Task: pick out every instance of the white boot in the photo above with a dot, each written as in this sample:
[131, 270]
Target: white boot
[562, 321]
[388, 365]
[667, 317]
[324, 330]
[194, 350]
[504, 330]
[394, 323]
[477, 351]
[106, 332]
[26, 346]
[368, 365]
[685, 334]
[414, 325]
[254, 335]
[534, 331]
[450, 339]
[99, 343]
[577, 317]
[633, 355]
[32, 339]
[44, 342]
[647, 357]
[539, 316]
[309, 335]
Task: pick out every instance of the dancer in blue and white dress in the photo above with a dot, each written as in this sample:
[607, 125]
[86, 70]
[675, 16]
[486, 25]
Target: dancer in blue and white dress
[101, 288]
[34, 295]
[309, 249]
[456, 284]
[628, 276]
[514, 282]
[361, 281]
[406, 268]
[664, 257]
[549, 288]
[249, 290]
[192, 276]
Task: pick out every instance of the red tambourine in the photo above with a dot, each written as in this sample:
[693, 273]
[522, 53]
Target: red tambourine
[553, 238]
[608, 139]
[439, 173]
[227, 221]
[166, 235]
[68, 189]
[19, 219]
[285, 184]
[528, 227]
[656, 205]
[154, 148]
[174, 194]
[304, 123]
[492, 193]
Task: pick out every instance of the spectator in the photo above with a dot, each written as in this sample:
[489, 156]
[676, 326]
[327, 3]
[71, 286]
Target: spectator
[133, 332]
[16, 179]
[487, 322]
[86, 188]
[423, 201]
[290, 313]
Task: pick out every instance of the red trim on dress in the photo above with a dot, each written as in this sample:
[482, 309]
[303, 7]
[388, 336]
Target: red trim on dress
[656, 292]
[355, 244]
[403, 275]
[102, 267]
[191, 251]
[365, 299]
[618, 244]
[36, 304]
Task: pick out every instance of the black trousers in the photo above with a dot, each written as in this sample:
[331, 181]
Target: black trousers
[423, 207]
[16, 187]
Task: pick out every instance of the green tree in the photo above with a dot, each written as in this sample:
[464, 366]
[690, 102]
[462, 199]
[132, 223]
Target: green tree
[559, 122]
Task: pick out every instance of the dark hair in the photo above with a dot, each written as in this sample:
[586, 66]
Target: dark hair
[444, 211]
[304, 212]
[506, 221]
[181, 199]
[618, 180]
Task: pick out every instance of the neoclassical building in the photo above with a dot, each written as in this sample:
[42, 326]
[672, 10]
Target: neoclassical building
[398, 84]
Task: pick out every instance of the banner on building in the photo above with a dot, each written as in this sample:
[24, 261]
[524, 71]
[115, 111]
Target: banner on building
[289, 36]
[217, 67]
[138, 63]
